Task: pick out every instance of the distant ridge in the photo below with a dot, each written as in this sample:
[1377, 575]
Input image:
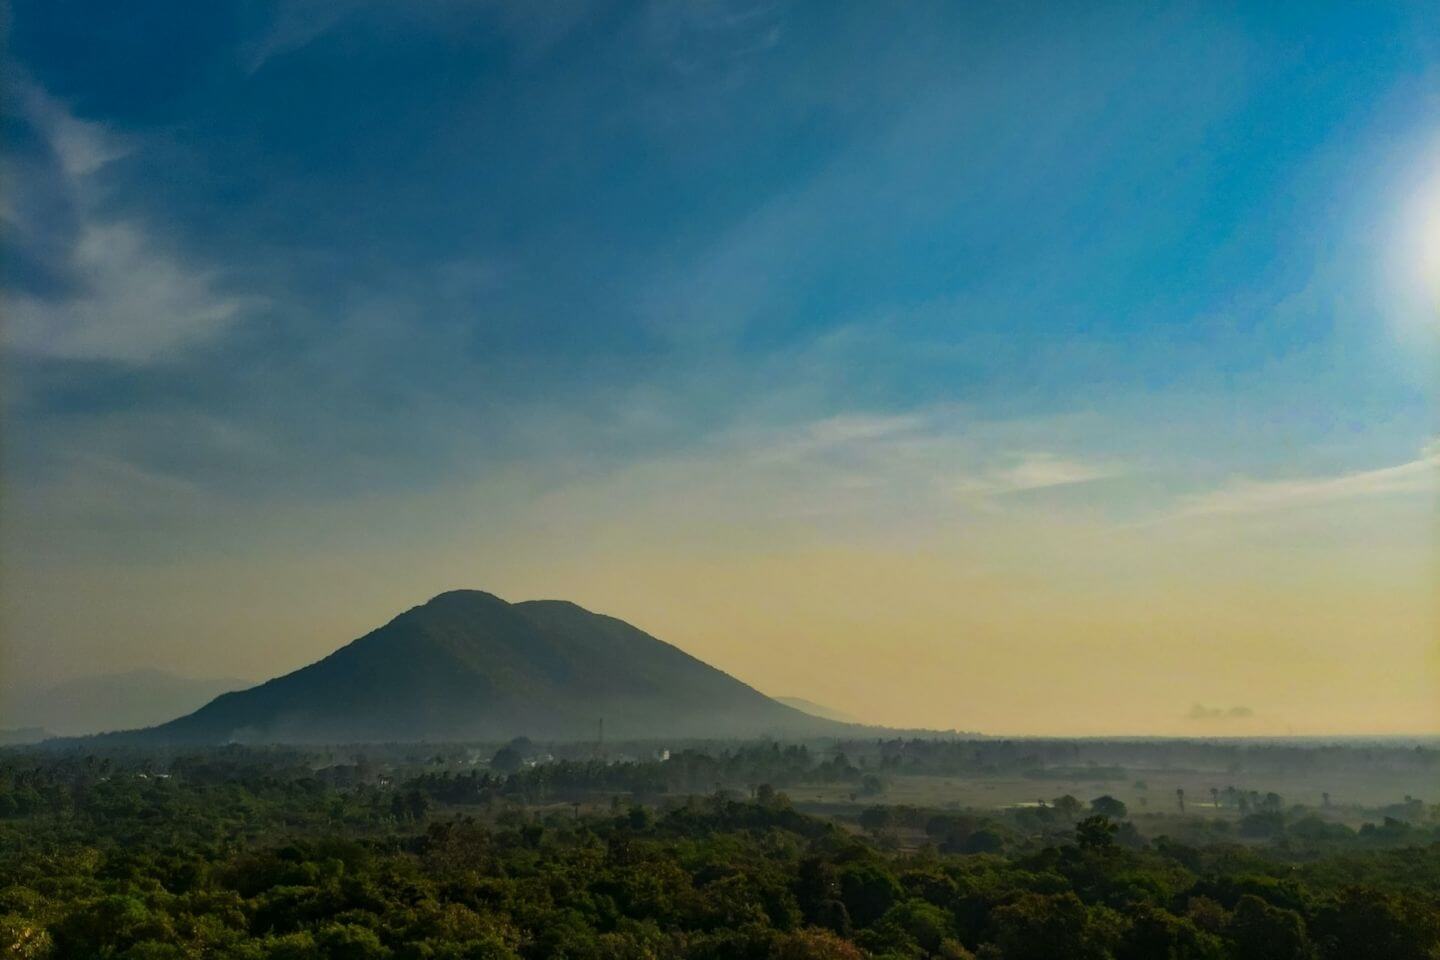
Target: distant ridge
[816, 709]
[23, 736]
[111, 701]
[468, 665]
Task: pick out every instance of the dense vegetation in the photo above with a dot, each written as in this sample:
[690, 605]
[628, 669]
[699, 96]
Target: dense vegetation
[233, 853]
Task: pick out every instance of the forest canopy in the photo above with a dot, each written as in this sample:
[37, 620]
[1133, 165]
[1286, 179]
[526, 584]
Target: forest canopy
[256, 854]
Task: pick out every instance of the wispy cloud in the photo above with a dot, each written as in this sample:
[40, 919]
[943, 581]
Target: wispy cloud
[1201, 712]
[852, 435]
[295, 25]
[714, 38]
[80, 146]
[1037, 471]
[866, 468]
[127, 299]
[136, 304]
[1421, 475]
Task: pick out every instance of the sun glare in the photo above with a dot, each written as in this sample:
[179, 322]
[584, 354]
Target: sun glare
[1419, 254]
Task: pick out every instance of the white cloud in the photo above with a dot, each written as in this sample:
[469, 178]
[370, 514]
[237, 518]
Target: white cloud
[879, 470]
[1200, 711]
[1039, 470]
[847, 436]
[131, 300]
[295, 26]
[1421, 475]
[1033, 471]
[80, 146]
[137, 304]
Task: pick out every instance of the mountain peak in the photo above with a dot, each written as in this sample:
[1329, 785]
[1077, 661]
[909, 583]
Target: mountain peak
[457, 609]
[467, 665]
[464, 597]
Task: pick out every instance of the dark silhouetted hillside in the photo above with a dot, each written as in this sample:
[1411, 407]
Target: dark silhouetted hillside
[468, 665]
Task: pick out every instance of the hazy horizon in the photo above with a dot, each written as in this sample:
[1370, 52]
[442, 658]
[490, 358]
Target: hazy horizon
[825, 710]
[1031, 370]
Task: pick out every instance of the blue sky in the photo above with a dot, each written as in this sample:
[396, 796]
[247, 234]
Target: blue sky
[370, 280]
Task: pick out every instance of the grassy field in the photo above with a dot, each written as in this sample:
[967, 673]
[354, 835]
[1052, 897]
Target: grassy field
[1143, 791]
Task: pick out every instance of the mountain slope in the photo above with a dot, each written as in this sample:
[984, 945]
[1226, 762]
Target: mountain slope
[468, 665]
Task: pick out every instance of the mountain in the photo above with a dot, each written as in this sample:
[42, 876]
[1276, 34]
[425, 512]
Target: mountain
[469, 666]
[816, 709]
[112, 701]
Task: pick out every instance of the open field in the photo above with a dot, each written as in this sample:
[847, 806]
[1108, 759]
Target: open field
[1143, 791]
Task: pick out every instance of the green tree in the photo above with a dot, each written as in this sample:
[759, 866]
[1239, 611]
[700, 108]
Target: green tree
[1067, 806]
[1367, 924]
[506, 760]
[1108, 806]
[876, 820]
[1095, 833]
[1048, 927]
[1154, 934]
[1259, 931]
[868, 890]
[814, 944]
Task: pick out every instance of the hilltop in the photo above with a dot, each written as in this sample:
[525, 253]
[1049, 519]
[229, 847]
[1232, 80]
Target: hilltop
[469, 665]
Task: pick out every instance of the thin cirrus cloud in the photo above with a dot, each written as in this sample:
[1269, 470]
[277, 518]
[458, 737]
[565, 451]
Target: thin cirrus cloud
[127, 298]
[1421, 475]
[1201, 712]
[921, 441]
[294, 27]
[1034, 471]
[136, 304]
[80, 146]
[935, 462]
